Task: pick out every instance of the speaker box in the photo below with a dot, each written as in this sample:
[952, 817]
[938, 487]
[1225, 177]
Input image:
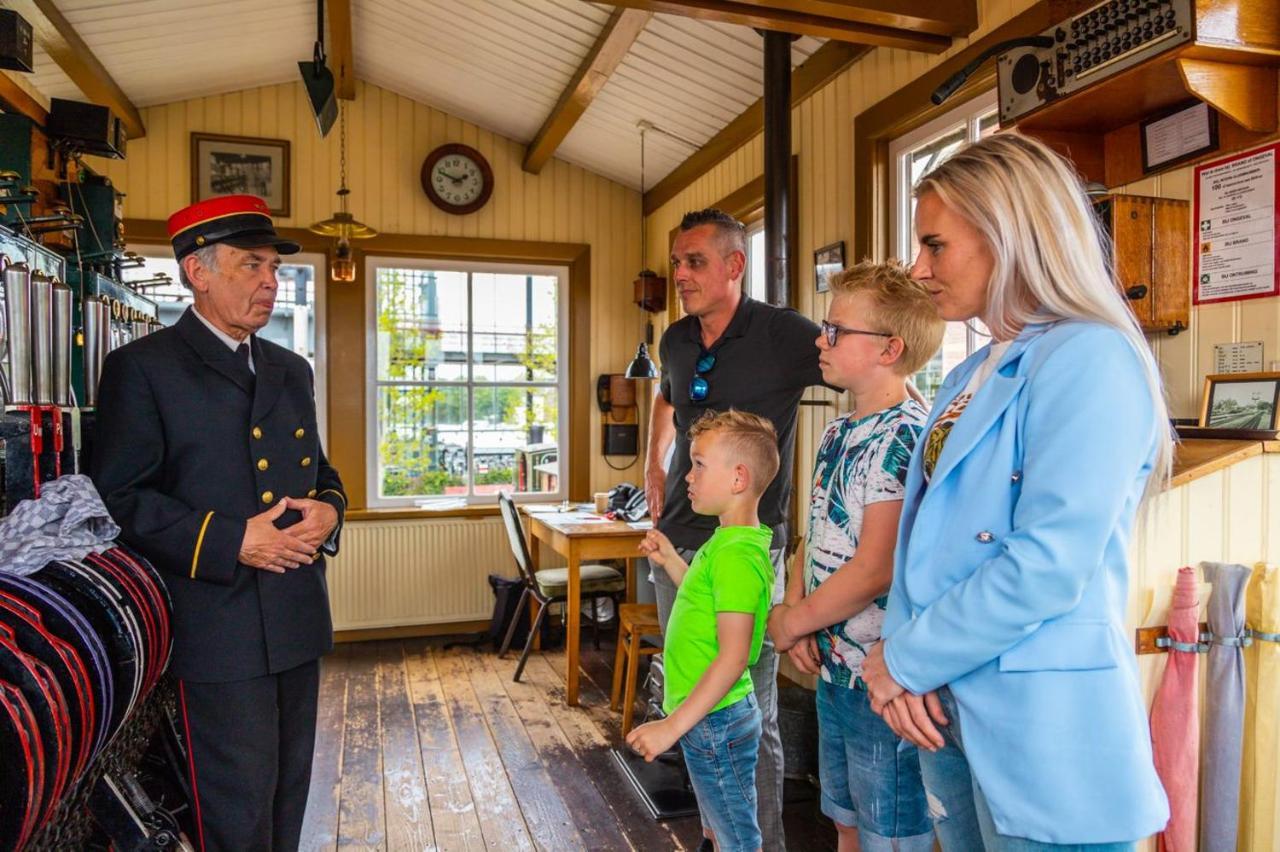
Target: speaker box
[92, 128]
[620, 439]
[15, 42]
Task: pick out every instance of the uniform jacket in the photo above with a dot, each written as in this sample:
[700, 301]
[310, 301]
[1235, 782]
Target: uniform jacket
[1010, 584]
[184, 455]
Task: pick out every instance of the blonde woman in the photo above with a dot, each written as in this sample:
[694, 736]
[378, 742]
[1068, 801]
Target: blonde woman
[1004, 655]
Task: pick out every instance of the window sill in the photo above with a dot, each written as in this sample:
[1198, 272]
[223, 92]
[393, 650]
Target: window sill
[417, 513]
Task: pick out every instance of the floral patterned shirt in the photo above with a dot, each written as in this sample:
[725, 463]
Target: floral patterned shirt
[859, 462]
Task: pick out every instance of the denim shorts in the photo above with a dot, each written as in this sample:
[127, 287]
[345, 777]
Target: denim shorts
[870, 778]
[720, 753]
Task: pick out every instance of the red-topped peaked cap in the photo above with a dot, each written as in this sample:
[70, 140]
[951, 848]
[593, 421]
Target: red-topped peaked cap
[243, 221]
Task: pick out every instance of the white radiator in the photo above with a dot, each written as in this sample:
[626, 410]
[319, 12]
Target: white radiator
[401, 573]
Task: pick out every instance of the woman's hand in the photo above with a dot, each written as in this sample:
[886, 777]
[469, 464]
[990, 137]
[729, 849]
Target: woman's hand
[880, 684]
[915, 718]
[658, 548]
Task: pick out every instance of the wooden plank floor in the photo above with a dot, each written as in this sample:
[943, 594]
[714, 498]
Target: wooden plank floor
[423, 748]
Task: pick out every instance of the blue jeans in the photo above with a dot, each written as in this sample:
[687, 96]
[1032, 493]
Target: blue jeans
[960, 813]
[870, 778]
[720, 753]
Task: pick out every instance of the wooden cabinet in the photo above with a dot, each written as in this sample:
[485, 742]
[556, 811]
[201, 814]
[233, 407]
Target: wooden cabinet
[1150, 245]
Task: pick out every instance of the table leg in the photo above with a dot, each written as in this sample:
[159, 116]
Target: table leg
[572, 612]
[534, 606]
[631, 567]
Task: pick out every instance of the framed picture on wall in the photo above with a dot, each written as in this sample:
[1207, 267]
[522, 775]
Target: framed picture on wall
[233, 165]
[827, 261]
[1240, 401]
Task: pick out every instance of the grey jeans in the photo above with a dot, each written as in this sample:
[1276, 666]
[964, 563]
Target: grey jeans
[764, 675]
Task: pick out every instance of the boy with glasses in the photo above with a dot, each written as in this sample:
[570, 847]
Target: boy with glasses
[881, 327]
[717, 626]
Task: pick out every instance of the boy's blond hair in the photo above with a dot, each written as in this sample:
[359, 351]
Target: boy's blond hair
[751, 438]
[900, 306]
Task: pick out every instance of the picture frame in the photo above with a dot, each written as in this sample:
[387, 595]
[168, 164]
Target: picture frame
[827, 261]
[231, 165]
[1240, 401]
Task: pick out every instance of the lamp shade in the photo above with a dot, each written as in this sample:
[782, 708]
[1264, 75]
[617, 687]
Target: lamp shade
[642, 366]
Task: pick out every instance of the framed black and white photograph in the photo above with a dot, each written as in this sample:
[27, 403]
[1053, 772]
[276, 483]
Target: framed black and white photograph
[827, 261]
[236, 165]
[1240, 401]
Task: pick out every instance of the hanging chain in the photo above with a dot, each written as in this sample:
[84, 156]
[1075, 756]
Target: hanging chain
[342, 148]
[643, 231]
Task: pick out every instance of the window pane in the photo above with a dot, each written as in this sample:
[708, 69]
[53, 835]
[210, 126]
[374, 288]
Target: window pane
[422, 441]
[293, 319]
[515, 321]
[955, 348]
[988, 124]
[516, 439]
[422, 325]
[755, 266]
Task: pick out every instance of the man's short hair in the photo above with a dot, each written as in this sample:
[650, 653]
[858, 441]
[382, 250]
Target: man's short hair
[900, 306]
[750, 437]
[732, 234]
[208, 257]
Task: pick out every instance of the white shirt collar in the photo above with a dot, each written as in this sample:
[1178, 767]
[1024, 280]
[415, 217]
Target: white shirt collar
[230, 341]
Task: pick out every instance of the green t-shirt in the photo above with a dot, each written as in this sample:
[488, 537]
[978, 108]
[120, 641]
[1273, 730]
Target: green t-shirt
[730, 573]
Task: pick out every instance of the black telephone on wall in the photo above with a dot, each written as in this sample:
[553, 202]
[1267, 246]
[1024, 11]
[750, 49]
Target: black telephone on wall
[602, 393]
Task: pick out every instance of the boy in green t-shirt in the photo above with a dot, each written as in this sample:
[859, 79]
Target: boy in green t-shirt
[717, 625]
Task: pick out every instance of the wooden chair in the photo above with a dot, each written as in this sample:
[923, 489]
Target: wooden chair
[634, 622]
[551, 585]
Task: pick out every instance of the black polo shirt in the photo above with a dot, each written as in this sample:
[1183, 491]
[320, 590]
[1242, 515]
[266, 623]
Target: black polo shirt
[764, 361]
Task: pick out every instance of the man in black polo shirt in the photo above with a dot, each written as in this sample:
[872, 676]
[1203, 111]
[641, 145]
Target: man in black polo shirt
[729, 351]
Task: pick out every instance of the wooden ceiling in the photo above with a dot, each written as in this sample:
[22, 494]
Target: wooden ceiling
[572, 78]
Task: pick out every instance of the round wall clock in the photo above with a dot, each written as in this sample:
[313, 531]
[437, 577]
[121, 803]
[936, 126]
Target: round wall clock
[457, 178]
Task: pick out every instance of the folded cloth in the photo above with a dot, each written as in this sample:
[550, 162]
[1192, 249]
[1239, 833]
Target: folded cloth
[68, 521]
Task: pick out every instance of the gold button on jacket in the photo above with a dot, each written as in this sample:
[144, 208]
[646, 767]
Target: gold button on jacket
[263, 464]
[300, 433]
[267, 496]
[311, 493]
[306, 462]
[257, 432]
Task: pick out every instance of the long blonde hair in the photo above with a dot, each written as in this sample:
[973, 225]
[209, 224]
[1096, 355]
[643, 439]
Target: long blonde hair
[1048, 251]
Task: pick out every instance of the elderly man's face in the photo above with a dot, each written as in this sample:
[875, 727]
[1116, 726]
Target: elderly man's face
[705, 277]
[237, 295]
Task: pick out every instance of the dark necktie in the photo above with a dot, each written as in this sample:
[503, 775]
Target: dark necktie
[242, 358]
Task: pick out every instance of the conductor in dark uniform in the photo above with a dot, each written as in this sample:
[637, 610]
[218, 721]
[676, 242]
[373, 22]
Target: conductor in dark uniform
[207, 456]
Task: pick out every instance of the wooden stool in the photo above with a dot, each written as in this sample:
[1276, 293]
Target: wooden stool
[634, 621]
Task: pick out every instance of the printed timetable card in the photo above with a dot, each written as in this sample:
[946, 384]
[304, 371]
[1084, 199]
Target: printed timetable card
[1235, 213]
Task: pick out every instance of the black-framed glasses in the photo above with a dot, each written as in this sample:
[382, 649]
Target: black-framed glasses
[833, 332]
[698, 385]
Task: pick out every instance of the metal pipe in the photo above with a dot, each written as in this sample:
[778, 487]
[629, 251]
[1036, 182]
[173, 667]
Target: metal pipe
[777, 164]
[17, 298]
[97, 343]
[61, 344]
[42, 338]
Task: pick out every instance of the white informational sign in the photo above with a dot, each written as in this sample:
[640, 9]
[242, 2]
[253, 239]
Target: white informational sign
[1235, 216]
[1237, 357]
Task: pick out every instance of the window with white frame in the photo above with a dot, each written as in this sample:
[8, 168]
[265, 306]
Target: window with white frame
[753, 280]
[911, 157]
[297, 319]
[467, 383]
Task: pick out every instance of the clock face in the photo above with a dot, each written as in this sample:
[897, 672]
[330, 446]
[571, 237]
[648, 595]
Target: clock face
[457, 178]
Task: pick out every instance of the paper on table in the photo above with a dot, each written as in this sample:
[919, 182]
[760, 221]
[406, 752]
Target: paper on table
[640, 525]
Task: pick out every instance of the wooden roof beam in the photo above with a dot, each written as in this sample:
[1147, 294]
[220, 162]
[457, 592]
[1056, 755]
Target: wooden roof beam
[59, 39]
[788, 17]
[815, 72]
[952, 18]
[619, 33]
[339, 51]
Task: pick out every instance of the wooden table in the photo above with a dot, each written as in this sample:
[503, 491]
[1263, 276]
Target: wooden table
[580, 542]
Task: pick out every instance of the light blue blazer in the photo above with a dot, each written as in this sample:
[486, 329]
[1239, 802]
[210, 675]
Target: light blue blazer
[1010, 581]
